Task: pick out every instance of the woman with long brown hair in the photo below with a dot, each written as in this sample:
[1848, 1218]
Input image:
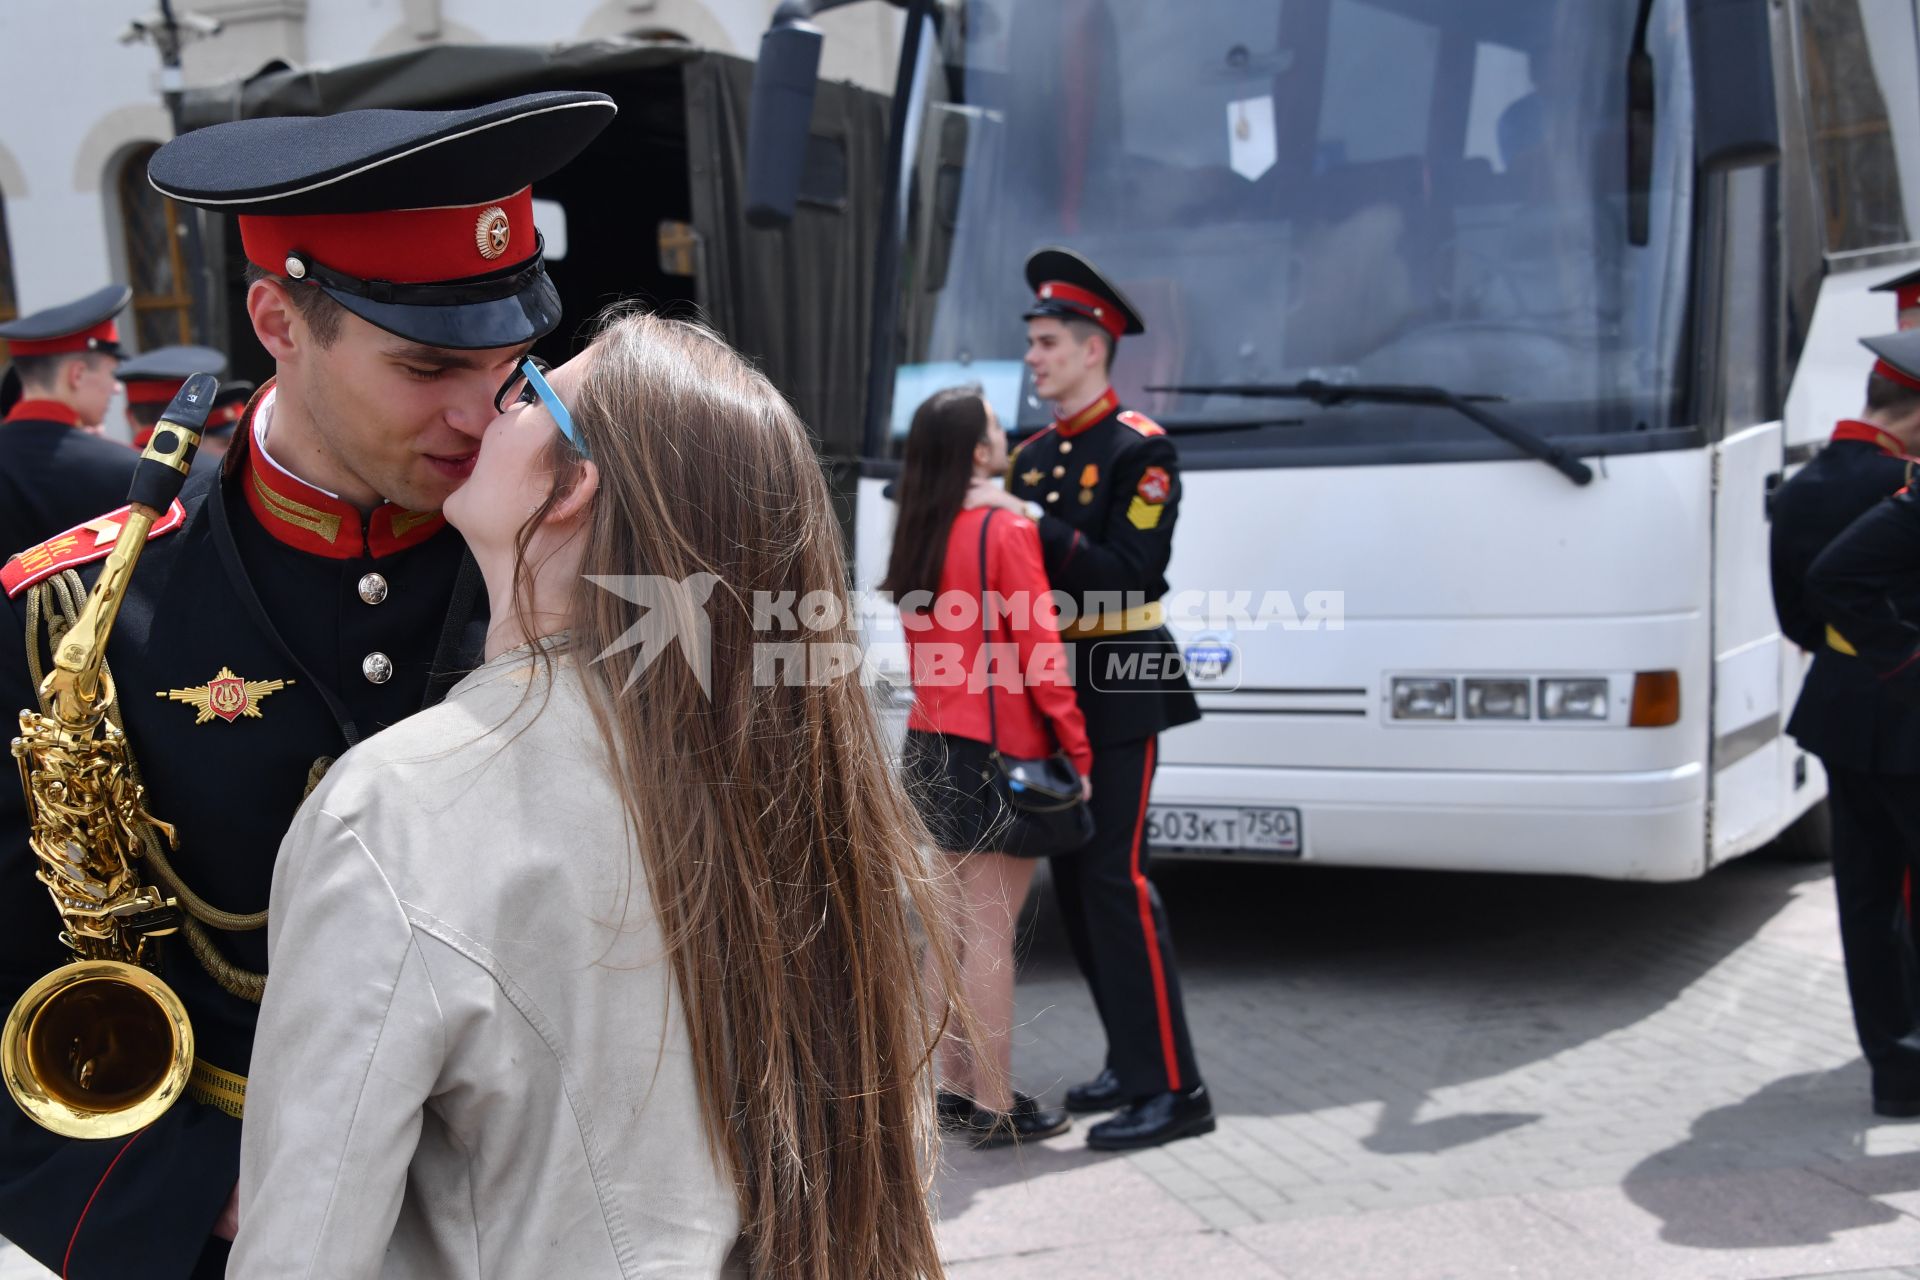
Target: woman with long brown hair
[945, 564]
[607, 966]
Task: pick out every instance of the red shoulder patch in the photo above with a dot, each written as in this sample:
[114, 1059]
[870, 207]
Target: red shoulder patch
[1142, 423]
[1155, 486]
[82, 544]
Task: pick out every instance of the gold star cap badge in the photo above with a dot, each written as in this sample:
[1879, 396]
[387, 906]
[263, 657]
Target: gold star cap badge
[226, 696]
[493, 232]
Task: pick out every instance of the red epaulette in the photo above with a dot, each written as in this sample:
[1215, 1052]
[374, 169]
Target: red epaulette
[1142, 423]
[82, 544]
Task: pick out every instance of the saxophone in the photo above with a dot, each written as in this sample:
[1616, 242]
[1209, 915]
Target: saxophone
[101, 1046]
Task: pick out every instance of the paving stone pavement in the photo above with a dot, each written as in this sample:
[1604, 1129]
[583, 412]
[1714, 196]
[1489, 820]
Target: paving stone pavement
[1423, 1075]
[1430, 1077]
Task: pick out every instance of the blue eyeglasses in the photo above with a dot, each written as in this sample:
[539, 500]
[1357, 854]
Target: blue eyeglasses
[527, 384]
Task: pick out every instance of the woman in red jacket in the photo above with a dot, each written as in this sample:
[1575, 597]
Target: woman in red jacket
[934, 574]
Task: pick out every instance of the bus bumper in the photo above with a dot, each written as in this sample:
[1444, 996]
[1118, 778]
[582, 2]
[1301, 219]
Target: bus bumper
[1616, 826]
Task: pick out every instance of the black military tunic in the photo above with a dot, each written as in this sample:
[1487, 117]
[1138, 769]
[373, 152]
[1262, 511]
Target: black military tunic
[1868, 741]
[267, 629]
[54, 475]
[1109, 483]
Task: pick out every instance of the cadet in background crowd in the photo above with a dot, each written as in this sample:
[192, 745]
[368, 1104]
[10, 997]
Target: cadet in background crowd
[154, 377]
[54, 472]
[1103, 485]
[1868, 741]
[289, 605]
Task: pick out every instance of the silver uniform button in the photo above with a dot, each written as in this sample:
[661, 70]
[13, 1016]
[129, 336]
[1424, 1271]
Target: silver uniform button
[1066, 446]
[1054, 496]
[377, 667]
[373, 588]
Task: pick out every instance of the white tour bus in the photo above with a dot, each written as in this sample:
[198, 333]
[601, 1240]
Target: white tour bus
[1497, 319]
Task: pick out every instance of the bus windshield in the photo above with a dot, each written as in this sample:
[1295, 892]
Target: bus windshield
[1380, 191]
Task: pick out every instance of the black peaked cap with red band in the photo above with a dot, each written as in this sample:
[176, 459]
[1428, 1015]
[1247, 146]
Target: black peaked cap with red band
[85, 325]
[1898, 356]
[419, 222]
[1905, 290]
[1065, 285]
[156, 375]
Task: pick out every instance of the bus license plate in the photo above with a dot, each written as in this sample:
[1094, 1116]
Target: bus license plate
[1224, 830]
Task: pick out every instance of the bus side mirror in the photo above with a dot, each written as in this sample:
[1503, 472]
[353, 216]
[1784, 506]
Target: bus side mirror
[779, 118]
[1736, 120]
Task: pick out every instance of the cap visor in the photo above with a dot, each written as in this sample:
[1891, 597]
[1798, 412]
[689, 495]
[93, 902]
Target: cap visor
[466, 326]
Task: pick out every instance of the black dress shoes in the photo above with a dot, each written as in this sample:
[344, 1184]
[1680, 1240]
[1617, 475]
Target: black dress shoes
[1153, 1120]
[1897, 1108]
[954, 1109]
[1102, 1093]
[1026, 1121]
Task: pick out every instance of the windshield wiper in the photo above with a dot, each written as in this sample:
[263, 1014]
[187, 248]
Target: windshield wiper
[1467, 406]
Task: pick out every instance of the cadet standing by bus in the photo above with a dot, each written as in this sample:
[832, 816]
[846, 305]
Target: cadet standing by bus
[1868, 741]
[1103, 484]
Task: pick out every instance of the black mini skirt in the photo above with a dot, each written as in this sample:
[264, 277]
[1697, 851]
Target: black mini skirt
[951, 782]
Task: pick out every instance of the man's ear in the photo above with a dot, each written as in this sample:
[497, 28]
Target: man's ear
[72, 374]
[276, 321]
[574, 502]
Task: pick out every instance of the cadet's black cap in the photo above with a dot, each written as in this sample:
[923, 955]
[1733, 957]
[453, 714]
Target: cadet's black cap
[168, 366]
[1899, 356]
[155, 378]
[420, 222]
[85, 325]
[1905, 290]
[1065, 285]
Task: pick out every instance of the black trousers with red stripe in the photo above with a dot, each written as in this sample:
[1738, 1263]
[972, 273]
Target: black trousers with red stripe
[1118, 929]
[1876, 842]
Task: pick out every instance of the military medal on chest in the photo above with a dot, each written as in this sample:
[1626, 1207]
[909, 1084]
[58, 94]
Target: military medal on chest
[1089, 477]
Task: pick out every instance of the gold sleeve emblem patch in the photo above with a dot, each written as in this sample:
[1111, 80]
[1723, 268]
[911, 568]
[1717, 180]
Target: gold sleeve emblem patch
[1142, 514]
[226, 696]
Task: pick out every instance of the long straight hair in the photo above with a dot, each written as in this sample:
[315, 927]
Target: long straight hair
[935, 471]
[782, 857]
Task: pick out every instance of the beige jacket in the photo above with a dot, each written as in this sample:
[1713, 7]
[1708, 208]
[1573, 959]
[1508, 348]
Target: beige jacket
[470, 1059]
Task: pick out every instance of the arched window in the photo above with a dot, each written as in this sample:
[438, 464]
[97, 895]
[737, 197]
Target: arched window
[156, 256]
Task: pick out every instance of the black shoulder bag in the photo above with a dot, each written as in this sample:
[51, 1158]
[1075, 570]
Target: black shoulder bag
[1043, 795]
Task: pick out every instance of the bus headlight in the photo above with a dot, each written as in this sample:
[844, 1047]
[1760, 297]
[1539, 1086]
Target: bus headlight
[1422, 698]
[1574, 699]
[1498, 699]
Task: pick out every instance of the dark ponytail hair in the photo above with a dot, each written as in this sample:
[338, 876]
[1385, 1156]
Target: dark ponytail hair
[934, 475]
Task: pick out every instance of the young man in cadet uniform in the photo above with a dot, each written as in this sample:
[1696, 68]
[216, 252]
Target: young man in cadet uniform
[1868, 741]
[1103, 484]
[153, 378]
[54, 472]
[291, 604]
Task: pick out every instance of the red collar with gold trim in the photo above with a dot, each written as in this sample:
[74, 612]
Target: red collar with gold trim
[1867, 433]
[43, 411]
[1080, 421]
[311, 520]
